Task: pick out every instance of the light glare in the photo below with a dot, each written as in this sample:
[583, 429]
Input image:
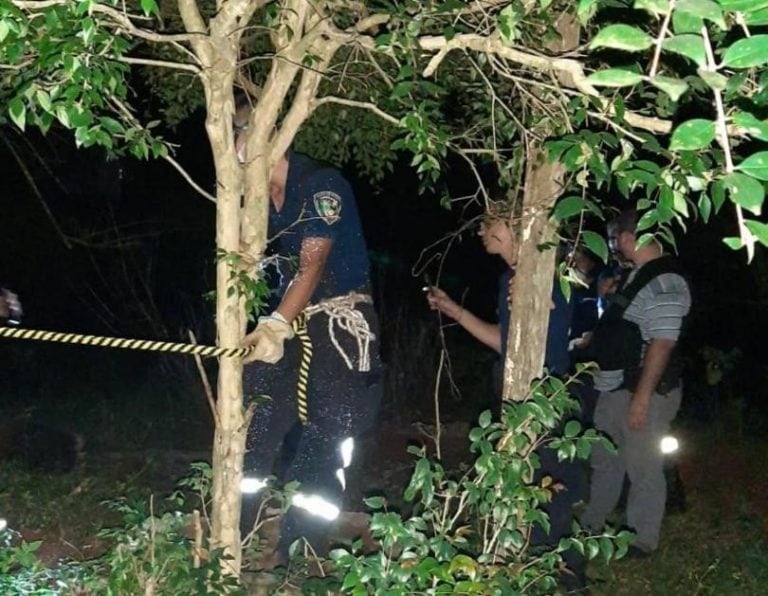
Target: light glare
[669, 444]
[347, 448]
[249, 486]
[316, 505]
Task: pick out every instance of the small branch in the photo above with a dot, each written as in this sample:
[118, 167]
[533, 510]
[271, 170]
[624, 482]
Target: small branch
[366, 105]
[184, 174]
[722, 132]
[198, 544]
[437, 404]
[161, 63]
[660, 39]
[206, 383]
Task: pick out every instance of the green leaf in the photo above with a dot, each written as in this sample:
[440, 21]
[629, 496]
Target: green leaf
[672, 87]
[758, 18]
[759, 230]
[704, 9]
[756, 165]
[622, 37]
[43, 99]
[734, 242]
[586, 10]
[747, 53]
[568, 207]
[647, 220]
[717, 193]
[714, 79]
[655, 7]
[375, 502]
[743, 5]
[149, 7]
[749, 124]
[5, 29]
[705, 207]
[596, 243]
[688, 45]
[614, 77]
[572, 428]
[682, 22]
[18, 112]
[692, 135]
[745, 191]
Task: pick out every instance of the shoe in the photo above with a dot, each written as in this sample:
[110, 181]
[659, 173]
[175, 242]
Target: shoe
[637, 552]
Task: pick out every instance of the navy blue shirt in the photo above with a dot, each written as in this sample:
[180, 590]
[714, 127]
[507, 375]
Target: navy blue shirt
[556, 357]
[584, 310]
[319, 203]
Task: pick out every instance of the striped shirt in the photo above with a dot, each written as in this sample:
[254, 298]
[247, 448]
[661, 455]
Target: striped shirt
[658, 310]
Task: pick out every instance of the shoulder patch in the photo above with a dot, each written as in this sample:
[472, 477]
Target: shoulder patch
[328, 206]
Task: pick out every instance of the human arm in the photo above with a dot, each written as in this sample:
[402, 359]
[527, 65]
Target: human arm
[312, 260]
[272, 331]
[655, 361]
[485, 332]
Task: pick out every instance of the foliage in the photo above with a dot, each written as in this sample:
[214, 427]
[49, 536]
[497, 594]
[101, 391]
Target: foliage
[150, 552]
[252, 290]
[699, 69]
[478, 533]
[153, 553]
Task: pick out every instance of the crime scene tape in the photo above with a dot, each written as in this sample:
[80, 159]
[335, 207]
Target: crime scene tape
[299, 326]
[118, 342]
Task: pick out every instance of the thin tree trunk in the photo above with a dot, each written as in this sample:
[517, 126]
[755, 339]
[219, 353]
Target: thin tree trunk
[532, 290]
[229, 438]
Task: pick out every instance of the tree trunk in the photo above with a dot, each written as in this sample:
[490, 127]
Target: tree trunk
[229, 438]
[532, 291]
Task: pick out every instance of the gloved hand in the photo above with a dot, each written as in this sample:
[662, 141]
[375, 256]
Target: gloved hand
[267, 339]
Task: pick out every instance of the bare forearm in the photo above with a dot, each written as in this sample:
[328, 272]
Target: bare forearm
[314, 253]
[485, 332]
[298, 294]
[654, 363]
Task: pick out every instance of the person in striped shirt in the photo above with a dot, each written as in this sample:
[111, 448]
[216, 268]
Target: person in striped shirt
[637, 404]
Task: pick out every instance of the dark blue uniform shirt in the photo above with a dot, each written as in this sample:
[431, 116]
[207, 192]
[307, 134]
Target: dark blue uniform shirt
[556, 357]
[319, 203]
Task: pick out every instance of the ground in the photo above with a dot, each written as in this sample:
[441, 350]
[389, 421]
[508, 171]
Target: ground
[718, 545]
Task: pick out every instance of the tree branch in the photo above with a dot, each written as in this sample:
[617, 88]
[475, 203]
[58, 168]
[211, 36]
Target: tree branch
[179, 168]
[119, 19]
[366, 105]
[161, 63]
[569, 71]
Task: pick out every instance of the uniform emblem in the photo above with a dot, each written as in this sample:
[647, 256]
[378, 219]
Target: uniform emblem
[328, 206]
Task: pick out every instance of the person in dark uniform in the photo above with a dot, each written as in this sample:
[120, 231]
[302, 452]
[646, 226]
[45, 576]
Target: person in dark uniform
[324, 282]
[498, 238]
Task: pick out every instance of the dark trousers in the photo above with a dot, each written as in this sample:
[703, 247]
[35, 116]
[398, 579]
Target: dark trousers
[341, 403]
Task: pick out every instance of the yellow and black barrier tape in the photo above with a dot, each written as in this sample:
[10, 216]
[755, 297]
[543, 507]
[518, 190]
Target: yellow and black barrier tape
[118, 342]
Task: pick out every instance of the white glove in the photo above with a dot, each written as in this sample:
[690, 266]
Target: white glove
[267, 339]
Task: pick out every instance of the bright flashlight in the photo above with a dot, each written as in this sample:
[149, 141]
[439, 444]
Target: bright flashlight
[669, 444]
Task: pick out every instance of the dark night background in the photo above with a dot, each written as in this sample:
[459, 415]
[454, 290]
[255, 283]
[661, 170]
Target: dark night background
[141, 259]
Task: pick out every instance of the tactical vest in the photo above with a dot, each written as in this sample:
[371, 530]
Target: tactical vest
[617, 344]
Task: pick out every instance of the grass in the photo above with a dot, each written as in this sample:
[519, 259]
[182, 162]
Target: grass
[719, 545]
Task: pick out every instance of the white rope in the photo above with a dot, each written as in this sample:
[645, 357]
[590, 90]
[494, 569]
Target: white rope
[343, 315]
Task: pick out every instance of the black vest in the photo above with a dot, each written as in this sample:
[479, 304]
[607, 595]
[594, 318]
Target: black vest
[617, 343]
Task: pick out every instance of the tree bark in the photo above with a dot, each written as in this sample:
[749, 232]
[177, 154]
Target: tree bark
[532, 291]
